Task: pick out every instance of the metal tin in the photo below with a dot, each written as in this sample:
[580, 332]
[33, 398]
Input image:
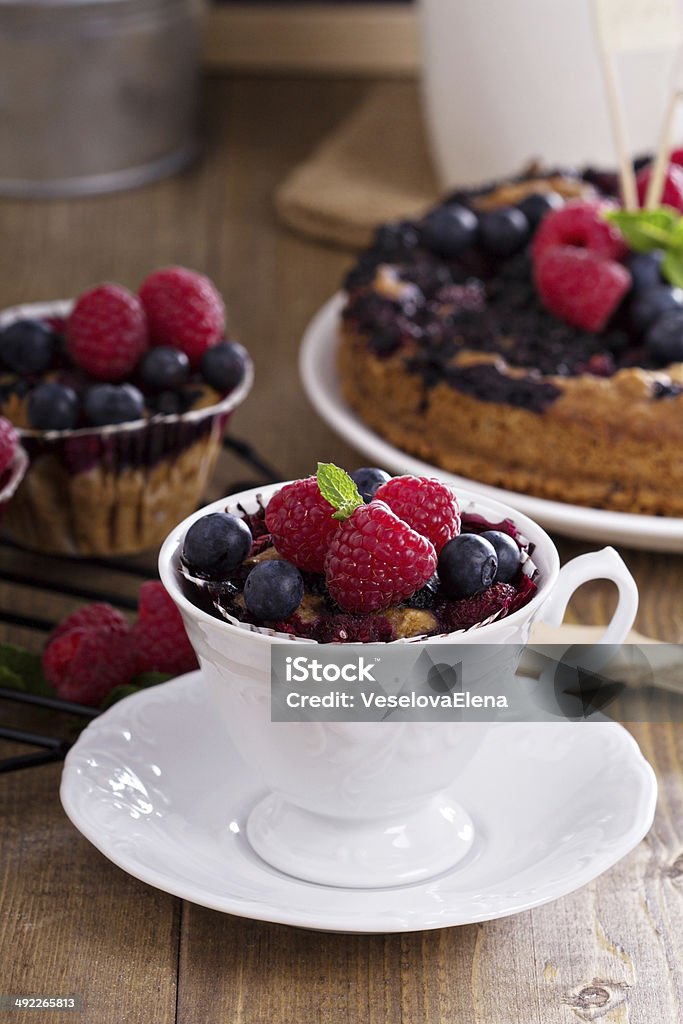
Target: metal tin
[95, 95]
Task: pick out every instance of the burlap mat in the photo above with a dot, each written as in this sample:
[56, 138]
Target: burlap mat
[374, 167]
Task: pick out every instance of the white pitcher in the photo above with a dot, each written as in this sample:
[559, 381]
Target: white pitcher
[506, 81]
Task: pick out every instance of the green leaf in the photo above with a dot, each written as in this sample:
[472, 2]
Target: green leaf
[338, 488]
[645, 230]
[22, 670]
[672, 267]
[139, 682]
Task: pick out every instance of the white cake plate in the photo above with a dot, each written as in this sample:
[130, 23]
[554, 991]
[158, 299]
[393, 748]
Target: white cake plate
[318, 370]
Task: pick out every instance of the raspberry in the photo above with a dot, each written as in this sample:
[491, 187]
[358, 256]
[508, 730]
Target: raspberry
[470, 611]
[106, 333]
[92, 616]
[672, 193]
[425, 504]
[582, 225]
[85, 663]
[184, 310]
[376, 560]
[580, 287]
[9, 442]
[301, 524]
[159, 637]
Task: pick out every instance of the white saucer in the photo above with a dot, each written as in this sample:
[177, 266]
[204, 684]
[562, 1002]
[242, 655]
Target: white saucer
[317, 365]
[156, 786]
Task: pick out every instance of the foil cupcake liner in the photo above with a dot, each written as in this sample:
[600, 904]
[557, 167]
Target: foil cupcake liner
[117, 489]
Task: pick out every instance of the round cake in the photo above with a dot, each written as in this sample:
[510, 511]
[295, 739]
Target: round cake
[528, 335]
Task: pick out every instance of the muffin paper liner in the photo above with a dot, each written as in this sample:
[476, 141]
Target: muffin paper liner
[211, 591]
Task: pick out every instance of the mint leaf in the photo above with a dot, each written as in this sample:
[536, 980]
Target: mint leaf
[22, 670]
[139, 682]
[672, 267]
[338, 488]
[645, 230]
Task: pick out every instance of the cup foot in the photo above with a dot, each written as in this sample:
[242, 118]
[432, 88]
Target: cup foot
[361, 854]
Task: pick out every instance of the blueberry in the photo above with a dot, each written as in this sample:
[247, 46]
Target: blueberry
[645, 268]
[273, 590]
[395, 238]
[503, 232]
[224, 365]
[113, 403]
[216, 544]
[537, 204]
[467, 565]
[508, 554]
[53, 406]
[649, 306]
[665, 338]
[368, 480]
[449, 230]
[27, 346]
[163, 368]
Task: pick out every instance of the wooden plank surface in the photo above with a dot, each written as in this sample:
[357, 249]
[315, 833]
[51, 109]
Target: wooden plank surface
[72, 922]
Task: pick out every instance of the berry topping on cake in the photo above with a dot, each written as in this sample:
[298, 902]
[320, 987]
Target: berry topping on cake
[646, 270]
[449, 230]
[53, 406]
[9, 442]
[106, 332]
[183, 310]
[376, 560]
[647, 308]
[27, 346]
[273, 589]
[368, 480]
[581, 225]
[164, 369]
[537, 204]
[672, 194]
[665, 338]
[503, 232]
[427, 505]
[467, 565]
[216, 544]
[160, 642]
[579, 286]
[302, 524]
[224, 365]
[507, 552]
[113, 403]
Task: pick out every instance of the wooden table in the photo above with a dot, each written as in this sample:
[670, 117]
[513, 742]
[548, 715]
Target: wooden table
[71, 922]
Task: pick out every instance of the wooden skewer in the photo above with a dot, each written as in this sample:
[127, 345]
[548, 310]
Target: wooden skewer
[627, 177]
[656, 185]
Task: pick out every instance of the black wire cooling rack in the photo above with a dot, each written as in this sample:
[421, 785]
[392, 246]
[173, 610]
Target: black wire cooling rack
[54, 748]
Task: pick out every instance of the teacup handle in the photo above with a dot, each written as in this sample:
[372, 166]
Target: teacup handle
[606, 564]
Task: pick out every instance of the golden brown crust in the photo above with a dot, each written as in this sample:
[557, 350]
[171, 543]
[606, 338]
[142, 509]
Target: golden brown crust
[105, 511]
[604, 442]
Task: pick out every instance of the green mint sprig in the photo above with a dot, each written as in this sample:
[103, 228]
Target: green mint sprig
[23, 670]
[338, 488]
[648, 230]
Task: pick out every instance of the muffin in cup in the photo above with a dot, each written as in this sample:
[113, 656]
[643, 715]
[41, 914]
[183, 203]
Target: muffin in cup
[121, 403]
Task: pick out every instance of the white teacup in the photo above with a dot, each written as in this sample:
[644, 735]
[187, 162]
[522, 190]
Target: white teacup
[369, 804]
